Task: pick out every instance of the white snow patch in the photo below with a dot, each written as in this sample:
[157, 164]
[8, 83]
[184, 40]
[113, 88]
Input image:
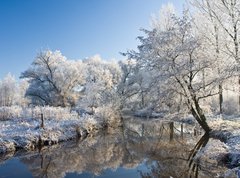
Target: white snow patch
[25, 133]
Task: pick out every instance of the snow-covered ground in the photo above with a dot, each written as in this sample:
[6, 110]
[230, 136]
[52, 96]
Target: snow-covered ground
[27, 133]
[223, 146]
[229, 130]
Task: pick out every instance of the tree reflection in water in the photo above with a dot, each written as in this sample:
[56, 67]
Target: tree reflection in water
[163, 167]
[194, 166]
[164, 149]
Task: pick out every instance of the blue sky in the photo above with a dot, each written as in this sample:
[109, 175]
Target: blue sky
[78, 28]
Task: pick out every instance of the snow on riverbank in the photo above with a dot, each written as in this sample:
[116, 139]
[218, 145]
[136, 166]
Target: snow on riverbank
[26, 133]
[229, 130]
[223, 146]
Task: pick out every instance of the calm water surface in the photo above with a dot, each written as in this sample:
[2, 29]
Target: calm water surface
[138, 150]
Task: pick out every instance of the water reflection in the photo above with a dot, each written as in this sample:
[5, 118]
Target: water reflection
[163, 149]
[194, 166]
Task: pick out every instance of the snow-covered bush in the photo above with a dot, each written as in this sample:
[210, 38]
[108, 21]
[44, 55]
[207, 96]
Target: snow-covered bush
[110, 115]
[91, 123]
[10, 112]
[55, 112]
[48, 112]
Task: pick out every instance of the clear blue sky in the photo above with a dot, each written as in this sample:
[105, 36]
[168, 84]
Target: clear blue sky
[78, 28]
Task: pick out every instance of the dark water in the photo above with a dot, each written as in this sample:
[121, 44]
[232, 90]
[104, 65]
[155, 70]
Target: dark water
[138, 150]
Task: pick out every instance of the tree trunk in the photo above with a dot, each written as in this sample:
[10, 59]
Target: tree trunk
[182, 131]
[200, 120]
[220, 98]
[199, 116]
[171, 127]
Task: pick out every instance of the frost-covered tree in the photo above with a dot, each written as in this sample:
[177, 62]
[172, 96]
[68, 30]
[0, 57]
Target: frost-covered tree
[164, 19]
[212, 37]
[136, 89]
[176, 57]
[126, 89]
[224, 18]
[21, 91]
[54, 80]
[101, 79]
[8, 90]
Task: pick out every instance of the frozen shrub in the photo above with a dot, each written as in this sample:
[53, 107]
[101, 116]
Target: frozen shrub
[48, 112]
[91, 123]
[110, 115]
[10, 112]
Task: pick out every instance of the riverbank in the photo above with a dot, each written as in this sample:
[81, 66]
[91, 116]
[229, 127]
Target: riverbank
[223, 146]
[27, 134]
[227, 131]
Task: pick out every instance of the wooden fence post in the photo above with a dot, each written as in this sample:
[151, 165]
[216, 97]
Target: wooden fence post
[42, 121]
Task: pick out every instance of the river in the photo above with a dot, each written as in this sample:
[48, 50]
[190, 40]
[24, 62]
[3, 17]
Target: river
[139, 149]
